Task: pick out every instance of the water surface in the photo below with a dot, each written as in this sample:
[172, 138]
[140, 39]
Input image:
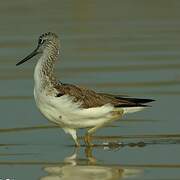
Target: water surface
[122, 47]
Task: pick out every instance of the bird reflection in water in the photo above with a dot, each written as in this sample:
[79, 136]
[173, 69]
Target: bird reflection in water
[87, 169]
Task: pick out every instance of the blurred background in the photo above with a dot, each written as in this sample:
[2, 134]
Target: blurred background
[122, 47]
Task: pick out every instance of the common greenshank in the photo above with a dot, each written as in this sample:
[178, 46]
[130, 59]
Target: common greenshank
[70, 106]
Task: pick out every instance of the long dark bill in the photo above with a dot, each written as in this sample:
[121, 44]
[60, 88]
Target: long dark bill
[35, 52]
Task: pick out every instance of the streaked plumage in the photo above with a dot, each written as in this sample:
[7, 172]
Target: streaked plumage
[70, 106]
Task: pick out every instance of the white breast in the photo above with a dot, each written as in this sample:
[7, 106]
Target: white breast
[63, 110]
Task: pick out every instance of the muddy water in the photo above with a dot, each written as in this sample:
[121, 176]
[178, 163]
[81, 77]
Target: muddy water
[122, 47]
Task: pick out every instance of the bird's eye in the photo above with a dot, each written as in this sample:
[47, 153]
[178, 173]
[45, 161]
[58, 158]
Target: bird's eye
[41, 41]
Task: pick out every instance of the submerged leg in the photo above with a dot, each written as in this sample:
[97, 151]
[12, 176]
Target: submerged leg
[88, 152]
[72, 132]
[88, 137]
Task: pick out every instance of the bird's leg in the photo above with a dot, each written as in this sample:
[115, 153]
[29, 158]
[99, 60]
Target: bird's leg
[77, 144]
[88, 139]
[115, 115]
[72, 132]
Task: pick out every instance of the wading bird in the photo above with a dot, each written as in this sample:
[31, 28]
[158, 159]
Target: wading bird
[70, 106]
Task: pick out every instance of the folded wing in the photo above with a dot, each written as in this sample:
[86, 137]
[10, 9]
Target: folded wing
[90, 98]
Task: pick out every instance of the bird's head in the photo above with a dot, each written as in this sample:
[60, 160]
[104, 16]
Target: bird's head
[46, 41]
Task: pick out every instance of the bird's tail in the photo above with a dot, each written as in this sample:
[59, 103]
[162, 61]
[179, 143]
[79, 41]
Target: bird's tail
[133, 104]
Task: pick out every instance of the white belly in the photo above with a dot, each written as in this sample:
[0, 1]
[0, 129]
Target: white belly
[63, 111]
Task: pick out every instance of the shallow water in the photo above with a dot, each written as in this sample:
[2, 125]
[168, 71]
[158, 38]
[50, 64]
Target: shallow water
[122, 47]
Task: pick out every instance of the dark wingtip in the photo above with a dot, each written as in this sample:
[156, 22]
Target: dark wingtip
[131, 105]
[136, 100]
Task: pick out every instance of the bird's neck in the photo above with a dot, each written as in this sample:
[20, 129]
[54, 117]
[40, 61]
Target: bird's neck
[44, 75]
